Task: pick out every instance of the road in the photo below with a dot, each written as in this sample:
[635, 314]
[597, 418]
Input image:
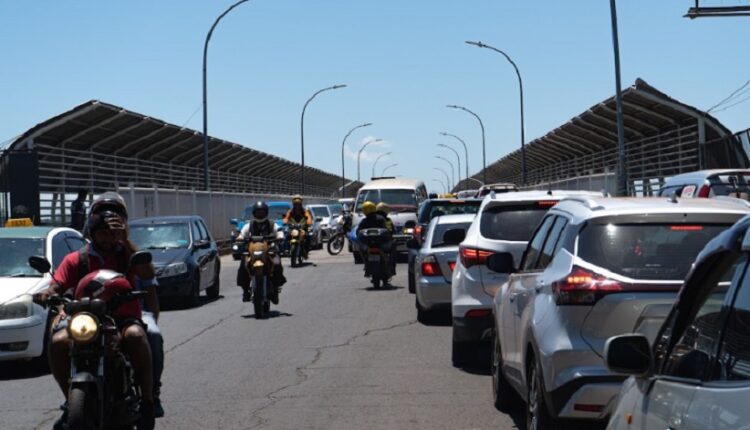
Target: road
[335, 355]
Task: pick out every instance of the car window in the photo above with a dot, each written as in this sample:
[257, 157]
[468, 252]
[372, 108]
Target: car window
[666, 191]
[551, 245]
[59, 249]
[536, 244]
[512, 223]
[74, 242]
[734, 356]
[196, 231]
[440, 229]
[431, 210]
[204, 230]
[15, 253]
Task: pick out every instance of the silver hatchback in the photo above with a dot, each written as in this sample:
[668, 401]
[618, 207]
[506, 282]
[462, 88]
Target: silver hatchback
[594, 268]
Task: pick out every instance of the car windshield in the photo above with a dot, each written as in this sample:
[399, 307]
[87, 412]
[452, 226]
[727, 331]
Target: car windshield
[274, 212]
[14, 256]
[440, 229]
[645, 251]
[512, 223]
[398, 200]
[160, 236]
[336, 209]
[320, 211]
[433, 209]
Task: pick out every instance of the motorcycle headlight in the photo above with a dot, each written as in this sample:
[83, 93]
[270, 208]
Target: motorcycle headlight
[295, 233]
[21, 308]
[83, 327]
[258, 254]
[174, 269]
[235, 248]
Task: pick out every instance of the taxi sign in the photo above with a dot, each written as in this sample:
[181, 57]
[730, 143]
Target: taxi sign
[19, 222]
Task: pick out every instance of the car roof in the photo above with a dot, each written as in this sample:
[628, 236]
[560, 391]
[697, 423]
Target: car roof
[456, 200]
[165, 219]
[702, 175]
[25, 232]
[535, 195]
[454, 218]
[500, 184]
[317, 205]
[392, 183]
[595, 207]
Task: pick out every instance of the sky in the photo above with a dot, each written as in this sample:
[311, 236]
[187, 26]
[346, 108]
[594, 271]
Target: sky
[403, 61]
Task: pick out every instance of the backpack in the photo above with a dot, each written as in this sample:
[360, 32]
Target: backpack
[123, 266]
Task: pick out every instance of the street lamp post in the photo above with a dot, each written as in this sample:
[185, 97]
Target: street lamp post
[447, 179]
[476, 180]
[385, 169]
[450, 163]
[206, 178]
[466, 150]
[520, 86]
[622, 172]
[359, 154]
[441, 183]
[343, 145]
[378, 159]
[458, 160]
[481, 124]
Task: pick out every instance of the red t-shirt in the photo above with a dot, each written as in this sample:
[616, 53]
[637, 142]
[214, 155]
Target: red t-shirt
[68, 277]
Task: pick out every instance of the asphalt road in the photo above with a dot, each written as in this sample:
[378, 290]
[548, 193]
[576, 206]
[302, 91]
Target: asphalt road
[334, 355]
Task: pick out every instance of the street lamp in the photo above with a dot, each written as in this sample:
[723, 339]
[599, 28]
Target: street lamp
[302, 130]
[359, 154]
[447, 179]
[466, 150]
[343, 145]
[450, 163]
[622, 172]
[476, 180]
[458, 160]
[206, 179]
[388, 167]
[442, 184]
[481, 124]
[520, 86]
[378, 159]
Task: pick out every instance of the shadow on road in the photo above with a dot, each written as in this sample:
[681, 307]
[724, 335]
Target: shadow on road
[271, 315]
[23, 370]
[438, 319]
[178, 304]
[391, 288]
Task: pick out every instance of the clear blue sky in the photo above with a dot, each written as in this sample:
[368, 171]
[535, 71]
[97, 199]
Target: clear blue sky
[403, 61]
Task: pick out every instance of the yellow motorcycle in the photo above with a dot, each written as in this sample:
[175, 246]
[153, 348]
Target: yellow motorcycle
[261, 256]
[297, 238]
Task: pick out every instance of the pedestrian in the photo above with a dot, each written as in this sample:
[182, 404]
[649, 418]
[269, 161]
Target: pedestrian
[78, 211]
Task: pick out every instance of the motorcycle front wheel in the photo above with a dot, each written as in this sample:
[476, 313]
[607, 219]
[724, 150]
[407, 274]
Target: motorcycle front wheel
[260, 301]
[336, 244]
[82, 409]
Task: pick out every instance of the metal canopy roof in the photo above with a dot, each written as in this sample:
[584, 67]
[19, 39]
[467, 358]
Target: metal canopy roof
[112, 130]
[647, 112]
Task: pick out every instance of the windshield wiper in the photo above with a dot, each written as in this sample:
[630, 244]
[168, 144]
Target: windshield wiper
[19, 275]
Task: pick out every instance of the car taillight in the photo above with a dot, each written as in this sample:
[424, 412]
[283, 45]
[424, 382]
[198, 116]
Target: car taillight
[478, 313]
[704, 191]
[430, 266]
[473, 256]
[452, 265]
[374, 250]
[583, 287]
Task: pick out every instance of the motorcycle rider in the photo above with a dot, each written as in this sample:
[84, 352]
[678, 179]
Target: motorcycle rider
[299, 215]
[109, 249]
[372, 220]
[383, 210]
[260, 225]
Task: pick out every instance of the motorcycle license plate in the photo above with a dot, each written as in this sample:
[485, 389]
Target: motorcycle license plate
[373, 257]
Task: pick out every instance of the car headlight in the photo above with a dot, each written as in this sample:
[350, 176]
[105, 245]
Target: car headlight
[408, 231]
[83, 327]
[20, 308]
[174, 270]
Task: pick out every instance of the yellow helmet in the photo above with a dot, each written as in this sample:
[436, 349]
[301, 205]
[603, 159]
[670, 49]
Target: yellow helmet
[383, 207]
[368, 208]
[297, 199]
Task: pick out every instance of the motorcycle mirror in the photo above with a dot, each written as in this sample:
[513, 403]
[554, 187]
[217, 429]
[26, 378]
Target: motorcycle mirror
[40, 264]
[141, 257]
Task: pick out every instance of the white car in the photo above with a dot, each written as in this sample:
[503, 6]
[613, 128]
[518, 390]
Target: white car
[505, 223]
[23, 324]
[321, 223]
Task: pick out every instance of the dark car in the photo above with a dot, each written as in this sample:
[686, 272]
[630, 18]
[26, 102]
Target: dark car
[185, 255]
[429, 210]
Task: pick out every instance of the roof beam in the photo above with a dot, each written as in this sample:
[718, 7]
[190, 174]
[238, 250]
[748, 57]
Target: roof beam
[169, 147]
[626, 118]
[681, 108]
[141, 139]
[232, 151]
[120, 133]
[649, 112]
[88, 128]
[237, 163]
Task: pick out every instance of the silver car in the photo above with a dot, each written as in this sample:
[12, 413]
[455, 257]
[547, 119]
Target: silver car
[435, 262]
[709, 183]
[594, 268]
[698, 373]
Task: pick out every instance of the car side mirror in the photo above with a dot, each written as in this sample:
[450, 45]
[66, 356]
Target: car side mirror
[454, 236]
[501, 262]
[629, 354]
[141, 258]
[412, 244]
[202, 244]
[40, 264]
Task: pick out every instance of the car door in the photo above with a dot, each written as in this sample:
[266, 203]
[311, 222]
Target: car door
[200, 253]
[212, 252]
[516, 297]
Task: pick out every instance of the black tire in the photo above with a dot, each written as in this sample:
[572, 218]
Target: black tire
[357, 258]
[537, 412]
[193, 299]
[293, 251]
[259, 301]
[375, 282]
[504, 395]
[266, 308]
[412, 283]
[82, 409]
[423, 315]
[213, 291]
[336, 244]
[463, 354]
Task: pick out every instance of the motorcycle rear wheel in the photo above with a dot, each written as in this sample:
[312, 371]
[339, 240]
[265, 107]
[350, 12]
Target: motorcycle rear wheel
[336, 244]
[82, 409]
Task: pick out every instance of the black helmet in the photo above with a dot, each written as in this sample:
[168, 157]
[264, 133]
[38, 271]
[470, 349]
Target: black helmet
[260, 206]
[108, 211]
[110, 202]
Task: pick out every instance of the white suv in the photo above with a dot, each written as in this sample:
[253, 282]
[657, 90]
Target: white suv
[504, 224]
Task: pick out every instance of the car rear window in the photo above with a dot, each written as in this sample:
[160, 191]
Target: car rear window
[440, 229]
[513, 223]
[432, 209]
[645, 251]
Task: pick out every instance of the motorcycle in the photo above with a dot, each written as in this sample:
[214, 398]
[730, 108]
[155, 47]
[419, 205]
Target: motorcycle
[338, 237]
[377, 242]
[297, 238]
[261, 255]
[102, 393]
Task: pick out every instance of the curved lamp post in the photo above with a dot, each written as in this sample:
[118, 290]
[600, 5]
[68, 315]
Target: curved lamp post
[466, 150]
[388, 167]
[458, 160]
[378, 159]
[450, 163]
[343, 145]
[481, 124]
[359, 154]
[206, 179]
[520, 87]
[302, 130]
[447, 179]
[442, 184]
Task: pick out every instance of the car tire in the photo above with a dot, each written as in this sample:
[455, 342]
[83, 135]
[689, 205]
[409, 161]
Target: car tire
[213, 291]
[423, 315]
[412, 282]
[193, 300]
[505, 397]
[463, 354]
[537, 412]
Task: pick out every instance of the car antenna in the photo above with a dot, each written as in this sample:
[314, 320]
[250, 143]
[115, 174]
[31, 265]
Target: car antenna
[549, 192]
[605, 193]
[492, 194]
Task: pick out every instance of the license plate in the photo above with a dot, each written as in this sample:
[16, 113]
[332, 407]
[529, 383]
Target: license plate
[374, 258]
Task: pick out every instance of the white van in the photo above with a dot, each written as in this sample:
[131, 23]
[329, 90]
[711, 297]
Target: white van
[403, 196]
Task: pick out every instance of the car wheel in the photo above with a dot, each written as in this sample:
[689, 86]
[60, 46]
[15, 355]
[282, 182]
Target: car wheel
[412, 281]
[463, 353]
[504, 395]
[193, 299]
[423, 315]
[212, 292]
[537, 413]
